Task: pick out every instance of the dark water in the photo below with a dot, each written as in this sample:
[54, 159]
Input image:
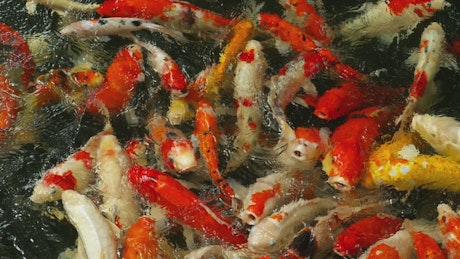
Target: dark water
[25, 230]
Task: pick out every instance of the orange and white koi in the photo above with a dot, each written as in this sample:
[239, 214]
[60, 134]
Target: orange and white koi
[141, 240]
[176, 14]
[177, 152]
[399, 163]
[425, 246]
[120, 81]
[431, 49]
[248, 81]
[274, 232]
[118, 203]
[398, 245]
[365, 232]
[386, 19]
[351, 143]
[21, 56]
[449, 222]
[120, 26]
[173, 79]
[309, 20]
[9, 105]
[94, 231]
[207, 134]
[441, 132]
[60, 6]
[182, 204]
[76, 173]
[268, 193]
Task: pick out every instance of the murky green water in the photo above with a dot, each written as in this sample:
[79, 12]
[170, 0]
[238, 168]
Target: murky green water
[25, 230]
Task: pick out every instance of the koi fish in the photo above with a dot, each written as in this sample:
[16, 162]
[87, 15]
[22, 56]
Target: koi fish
[176, 14]
[9, 105]
[141, 240]
[75, 172]
[268, 193]
[426, 247]
[441, 132]
[351, 143]
[365, 232]
[118, 203]
[20, 56]
[248, 81]
[121, 78]
[207, 134]
[274, 232]
[136, 151]
[173, 79]
[177, 152]
[94, 231]
[386, 19]
[121, 26]
[448, 222]
[182, 204]
[309, 20]
[399, 163]
[60, 6]
[431, 49]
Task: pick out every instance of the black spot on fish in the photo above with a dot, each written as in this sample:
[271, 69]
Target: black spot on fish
[123, 22]
[136, 23]
[102, 21]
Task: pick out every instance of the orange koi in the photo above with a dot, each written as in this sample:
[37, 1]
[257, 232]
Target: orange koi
[182, 204]
[9, 105]
[121, 78]
[20, 56]
[351, 143]
[426, 247]
[140, 240]
[363, 233]
[382, 251]
[207, 133]
[449, 222]
[312, 23]
[178, 14]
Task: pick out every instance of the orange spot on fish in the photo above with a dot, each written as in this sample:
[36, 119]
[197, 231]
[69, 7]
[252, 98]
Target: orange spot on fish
[259, 199]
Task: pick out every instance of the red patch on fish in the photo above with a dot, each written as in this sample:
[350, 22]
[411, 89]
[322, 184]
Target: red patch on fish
[66, 181]
[85, 157]
[397, 7]
[259, 199]
[247, 56]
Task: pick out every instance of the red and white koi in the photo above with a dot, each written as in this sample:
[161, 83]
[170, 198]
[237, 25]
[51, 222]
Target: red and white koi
[274, 232]
[441, 132]
[60, 6]
[20, 56]
[248, 81]
[431, 49]
[449, 222]
[120, 26]
[173, 79]
[426, 247]
[118, 203]
[182, 204]
[398, 245]
[365, 232]
[386, 19]
[309, 20]
[270, 192]
[76, 173]
[351, 144]
[119, 84]
[9, 105]
[94, 230]
[177, 152]
[176, 14]
[207, 134]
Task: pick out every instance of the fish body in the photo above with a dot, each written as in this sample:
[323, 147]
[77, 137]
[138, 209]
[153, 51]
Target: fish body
[399, 245]
[60, 6]
[182, 204]
[94, 231]
[121, 26]
[141, 240]
[449, 222]
[120, 81]
[9, 105]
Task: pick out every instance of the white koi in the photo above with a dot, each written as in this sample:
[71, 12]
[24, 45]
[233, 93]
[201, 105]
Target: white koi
[118, 205]
[93, 229]
[386, 19]
[248, 81]
[274, 232]
[60, 6]
[120, 26]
